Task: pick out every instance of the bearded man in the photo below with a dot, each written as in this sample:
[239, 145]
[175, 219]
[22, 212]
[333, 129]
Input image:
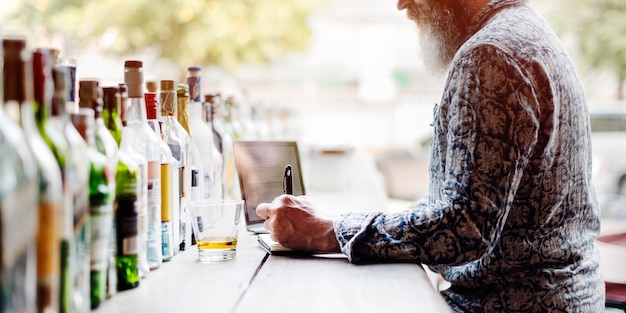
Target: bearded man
[511, 216]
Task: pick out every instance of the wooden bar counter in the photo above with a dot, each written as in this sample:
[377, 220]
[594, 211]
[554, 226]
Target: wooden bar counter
[258, 282]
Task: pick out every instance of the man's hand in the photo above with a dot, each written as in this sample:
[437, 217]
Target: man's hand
[293, 223]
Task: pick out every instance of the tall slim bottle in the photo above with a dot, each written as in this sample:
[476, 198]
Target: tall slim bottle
[74, 237]
[18, 210]
[101, 205]
[211, 105]
[195, 183]
[161, 222]
[197, 131]
[111, 100]
[155, 254]
[175, 139]
[203, 138]
[232, 132]
[18, 67]
[128, 178]
[49, 243]
[147, 144]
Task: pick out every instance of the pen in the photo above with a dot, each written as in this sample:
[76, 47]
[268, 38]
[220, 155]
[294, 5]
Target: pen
[288, 180]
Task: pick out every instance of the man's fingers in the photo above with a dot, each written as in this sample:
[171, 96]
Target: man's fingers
[262, 210]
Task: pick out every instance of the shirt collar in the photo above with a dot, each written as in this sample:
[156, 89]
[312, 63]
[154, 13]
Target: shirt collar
[488, 11]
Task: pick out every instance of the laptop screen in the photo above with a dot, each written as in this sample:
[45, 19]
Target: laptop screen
[261, 167]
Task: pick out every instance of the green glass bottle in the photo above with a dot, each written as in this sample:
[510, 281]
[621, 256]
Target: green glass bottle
[127, 223]
[49, 252]
[101, 198]
[127, 208]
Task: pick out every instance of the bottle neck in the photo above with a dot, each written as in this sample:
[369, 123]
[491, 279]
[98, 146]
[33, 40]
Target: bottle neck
[136, 110]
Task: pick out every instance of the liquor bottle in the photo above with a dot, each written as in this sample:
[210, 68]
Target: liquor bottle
[203, 139]
[174, 136]
[101, 198]
[127, 206]
[155, 241]
[18, 69]
[200, 134]
[49, 243]
[196, 184]
[197, 170]
[231, 131]
[147, 144]
[203, 121]
[74, 239]
[161, 221]
[110, 114]
[220, 139]
[18, 227]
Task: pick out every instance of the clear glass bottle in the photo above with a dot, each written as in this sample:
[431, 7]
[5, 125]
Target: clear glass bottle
[195, 160]
[146, 143]
[18, 208]
[101, 198]
[18, 69]
[211, 161]
[173, 135]
[127, 195]
[210, 107]
[155, 237]
[74, 238]
[49, 243]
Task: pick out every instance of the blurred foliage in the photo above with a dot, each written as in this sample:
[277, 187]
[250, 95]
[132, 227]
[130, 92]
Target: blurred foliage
[187, 32]
[599, 27]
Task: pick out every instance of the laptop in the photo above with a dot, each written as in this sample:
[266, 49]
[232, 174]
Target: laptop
[261, 169]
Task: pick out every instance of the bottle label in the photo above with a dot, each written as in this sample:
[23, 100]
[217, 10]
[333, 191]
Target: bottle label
[127, 225]
[154, 211]
[48, 240]
[166, 192]
[101, 227]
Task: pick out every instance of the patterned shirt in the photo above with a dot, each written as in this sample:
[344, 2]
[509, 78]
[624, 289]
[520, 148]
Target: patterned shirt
[511, 216]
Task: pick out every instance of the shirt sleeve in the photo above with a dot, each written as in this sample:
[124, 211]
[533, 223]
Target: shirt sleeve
[484, 132]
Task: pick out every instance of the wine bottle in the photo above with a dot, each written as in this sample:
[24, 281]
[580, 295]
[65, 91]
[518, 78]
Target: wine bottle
[19, 194]
[147, 143]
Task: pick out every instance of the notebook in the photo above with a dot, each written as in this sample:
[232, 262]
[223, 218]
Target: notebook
[261, 168]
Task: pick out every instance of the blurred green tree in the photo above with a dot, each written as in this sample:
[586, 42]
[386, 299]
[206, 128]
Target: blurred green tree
[187, 32]
[599, 27]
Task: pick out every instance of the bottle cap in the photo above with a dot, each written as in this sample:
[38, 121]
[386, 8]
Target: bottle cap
[90, 95]
[152, 106]
[133, 78]
[43, 86]
[16, 58]
[167, 85]
[111, 98]
[151, 86]
[61, 79]
[168, 98]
